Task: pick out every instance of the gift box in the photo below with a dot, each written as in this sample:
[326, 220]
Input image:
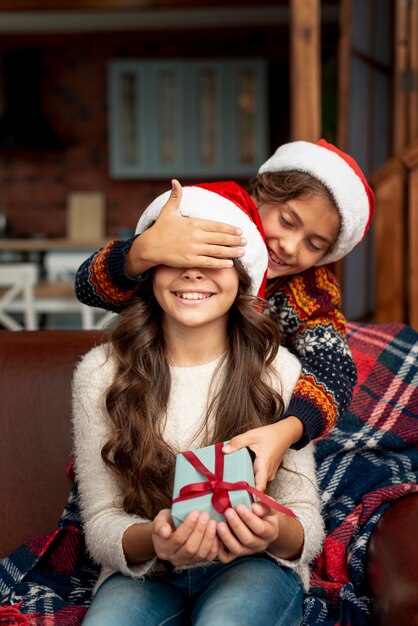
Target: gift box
[208, 480]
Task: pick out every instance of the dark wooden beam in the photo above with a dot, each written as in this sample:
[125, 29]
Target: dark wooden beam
[305, 63]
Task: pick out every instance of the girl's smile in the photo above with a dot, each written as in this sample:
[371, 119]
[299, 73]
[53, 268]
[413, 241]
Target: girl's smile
[195, 297]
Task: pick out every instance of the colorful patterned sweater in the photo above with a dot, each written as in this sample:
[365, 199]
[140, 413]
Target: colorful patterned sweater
[306, 307]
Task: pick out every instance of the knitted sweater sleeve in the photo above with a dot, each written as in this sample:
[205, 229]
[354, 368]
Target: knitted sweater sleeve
[101, 281]
[307, 309]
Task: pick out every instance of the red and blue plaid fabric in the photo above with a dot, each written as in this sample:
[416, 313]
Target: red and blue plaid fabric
[49, 580]
[369, 460]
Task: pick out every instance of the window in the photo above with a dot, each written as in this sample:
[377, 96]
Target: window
[187, 118]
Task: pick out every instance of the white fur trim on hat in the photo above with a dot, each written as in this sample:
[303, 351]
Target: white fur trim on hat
[202, 203]
[337, 175]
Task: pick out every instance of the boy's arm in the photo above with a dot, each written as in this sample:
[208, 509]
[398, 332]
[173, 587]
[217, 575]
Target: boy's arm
[110, 278]
[101, 281]
[307, 308]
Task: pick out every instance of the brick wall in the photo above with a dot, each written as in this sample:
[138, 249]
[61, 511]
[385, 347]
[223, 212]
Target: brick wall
[34, 184]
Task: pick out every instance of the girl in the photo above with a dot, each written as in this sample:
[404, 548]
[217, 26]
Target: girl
[191, 362]
[299, 189]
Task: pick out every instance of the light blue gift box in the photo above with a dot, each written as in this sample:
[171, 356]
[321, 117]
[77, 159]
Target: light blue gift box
[237, 467]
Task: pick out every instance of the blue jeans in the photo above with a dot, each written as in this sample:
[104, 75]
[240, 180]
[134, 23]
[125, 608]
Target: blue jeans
[250, 591]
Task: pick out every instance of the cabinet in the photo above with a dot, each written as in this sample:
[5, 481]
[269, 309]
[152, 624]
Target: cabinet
[204, 118]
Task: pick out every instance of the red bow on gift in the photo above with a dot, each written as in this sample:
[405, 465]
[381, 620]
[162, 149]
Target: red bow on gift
[219, 488]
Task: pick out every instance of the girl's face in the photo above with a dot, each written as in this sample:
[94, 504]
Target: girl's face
[195, 298]
[298, 232]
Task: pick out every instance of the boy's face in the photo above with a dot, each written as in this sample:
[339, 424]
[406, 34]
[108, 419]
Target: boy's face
[298, 232]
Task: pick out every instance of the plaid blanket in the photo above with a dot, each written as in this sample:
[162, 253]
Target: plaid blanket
[368, 461]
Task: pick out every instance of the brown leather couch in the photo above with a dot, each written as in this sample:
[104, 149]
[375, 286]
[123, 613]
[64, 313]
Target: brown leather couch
[35, 435]
[35, 444]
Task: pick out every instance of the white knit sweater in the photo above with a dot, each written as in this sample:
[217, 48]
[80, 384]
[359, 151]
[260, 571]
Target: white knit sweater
[104, 519]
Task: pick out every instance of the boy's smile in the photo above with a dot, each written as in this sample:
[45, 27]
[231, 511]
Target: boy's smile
[298, 233]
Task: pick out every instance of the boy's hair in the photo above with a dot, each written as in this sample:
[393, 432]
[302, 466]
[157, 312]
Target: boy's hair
[288, 185]
[138, 396]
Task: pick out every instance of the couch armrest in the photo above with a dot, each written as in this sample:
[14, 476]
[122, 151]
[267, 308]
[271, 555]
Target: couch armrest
[392, 564]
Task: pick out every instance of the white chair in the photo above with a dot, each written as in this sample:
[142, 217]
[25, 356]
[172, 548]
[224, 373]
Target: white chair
[56, 293]
[94, 318]
[49, 296]
[24, 294]
[17, 283]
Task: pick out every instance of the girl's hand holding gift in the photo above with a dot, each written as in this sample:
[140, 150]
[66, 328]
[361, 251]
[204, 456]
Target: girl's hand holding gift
[249, 532]
[192, 542]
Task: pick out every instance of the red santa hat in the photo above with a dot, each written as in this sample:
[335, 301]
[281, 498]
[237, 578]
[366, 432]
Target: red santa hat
[342, 176]
[222, 202]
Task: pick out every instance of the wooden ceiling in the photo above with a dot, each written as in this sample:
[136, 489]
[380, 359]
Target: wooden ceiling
[117, 5]
[47, 17]
[120, 5]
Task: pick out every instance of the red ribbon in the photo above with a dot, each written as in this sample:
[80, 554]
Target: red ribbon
[219, 488]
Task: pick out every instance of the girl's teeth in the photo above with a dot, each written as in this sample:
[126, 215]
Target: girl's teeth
[193, 296]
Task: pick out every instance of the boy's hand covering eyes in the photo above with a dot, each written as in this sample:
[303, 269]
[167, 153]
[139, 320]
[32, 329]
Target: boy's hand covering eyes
[178, 241]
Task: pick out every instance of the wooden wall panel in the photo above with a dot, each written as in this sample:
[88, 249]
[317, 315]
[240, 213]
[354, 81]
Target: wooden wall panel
[410, 159]
[405, 126]
[305, 63]
[389, 233]
[344, 73]
[396, 238]
[400, 120]
[344, 78]
[413, 63]
[413, 248]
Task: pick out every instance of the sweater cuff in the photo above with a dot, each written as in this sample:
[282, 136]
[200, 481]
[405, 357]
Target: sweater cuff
[116, 263]
[311, 418]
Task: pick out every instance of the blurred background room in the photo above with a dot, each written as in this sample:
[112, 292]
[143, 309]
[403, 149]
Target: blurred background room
[102, 102]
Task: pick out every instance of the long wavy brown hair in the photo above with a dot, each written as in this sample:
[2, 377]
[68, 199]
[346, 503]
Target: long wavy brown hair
[138, 396]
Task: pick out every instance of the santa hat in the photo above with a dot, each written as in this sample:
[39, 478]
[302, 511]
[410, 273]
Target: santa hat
[222, 202]
[342, 176]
